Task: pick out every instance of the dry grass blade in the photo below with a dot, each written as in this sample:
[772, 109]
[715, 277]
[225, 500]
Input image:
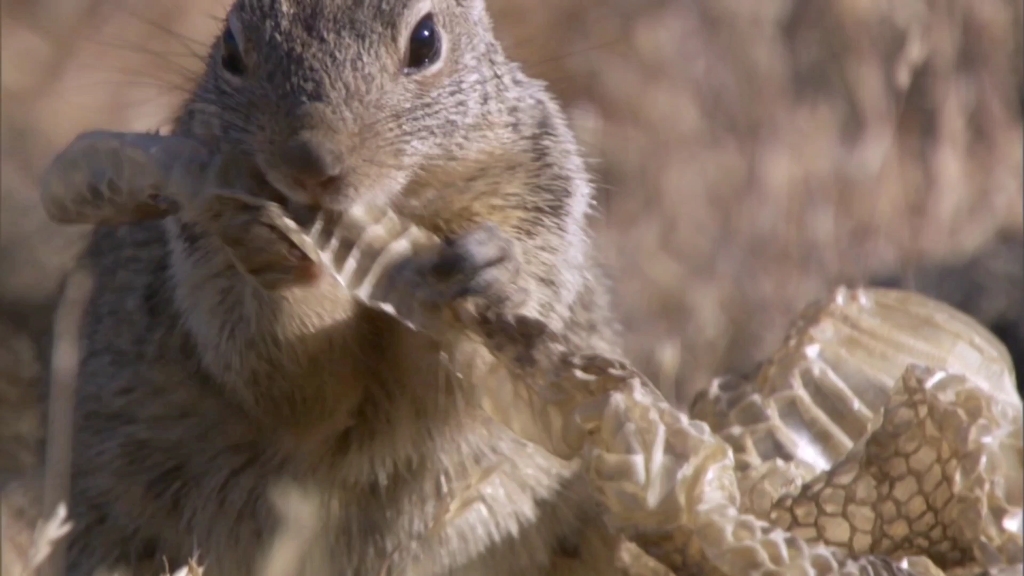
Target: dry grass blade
[191, 568]
[47, 536]
[300, 521]
[60, 428]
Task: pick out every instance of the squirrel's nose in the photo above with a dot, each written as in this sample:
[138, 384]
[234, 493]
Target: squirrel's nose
[313, 163]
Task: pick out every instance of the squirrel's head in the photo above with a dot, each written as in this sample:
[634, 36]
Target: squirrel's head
[338, 99]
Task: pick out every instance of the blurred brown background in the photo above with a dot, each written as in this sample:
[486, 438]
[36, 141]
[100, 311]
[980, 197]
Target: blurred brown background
[749, 153]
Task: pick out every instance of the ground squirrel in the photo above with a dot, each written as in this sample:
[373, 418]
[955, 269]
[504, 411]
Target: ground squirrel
[199, 388]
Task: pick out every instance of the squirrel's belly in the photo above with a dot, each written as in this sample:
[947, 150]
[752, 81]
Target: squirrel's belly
[498, 506]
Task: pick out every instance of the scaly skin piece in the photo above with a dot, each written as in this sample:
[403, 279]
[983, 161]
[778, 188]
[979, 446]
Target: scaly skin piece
[923, 481]
[668, 481]
[818, 394]
[810, 410]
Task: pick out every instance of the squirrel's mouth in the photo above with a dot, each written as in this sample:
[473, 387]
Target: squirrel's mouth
[297, 205]
[287, 191]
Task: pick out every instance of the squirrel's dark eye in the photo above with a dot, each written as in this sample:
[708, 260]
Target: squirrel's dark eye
[424, 45]
[231, 54]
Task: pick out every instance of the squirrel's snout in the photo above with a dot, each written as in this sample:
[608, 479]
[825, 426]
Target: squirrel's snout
[313, 164]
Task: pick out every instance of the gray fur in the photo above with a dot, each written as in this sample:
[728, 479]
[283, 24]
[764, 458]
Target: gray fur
[200, 389]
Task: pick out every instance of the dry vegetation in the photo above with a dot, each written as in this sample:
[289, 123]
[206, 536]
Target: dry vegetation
[749, 155]
[753, 153]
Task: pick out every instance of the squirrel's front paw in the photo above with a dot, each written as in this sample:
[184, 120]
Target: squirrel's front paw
[480, 263]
